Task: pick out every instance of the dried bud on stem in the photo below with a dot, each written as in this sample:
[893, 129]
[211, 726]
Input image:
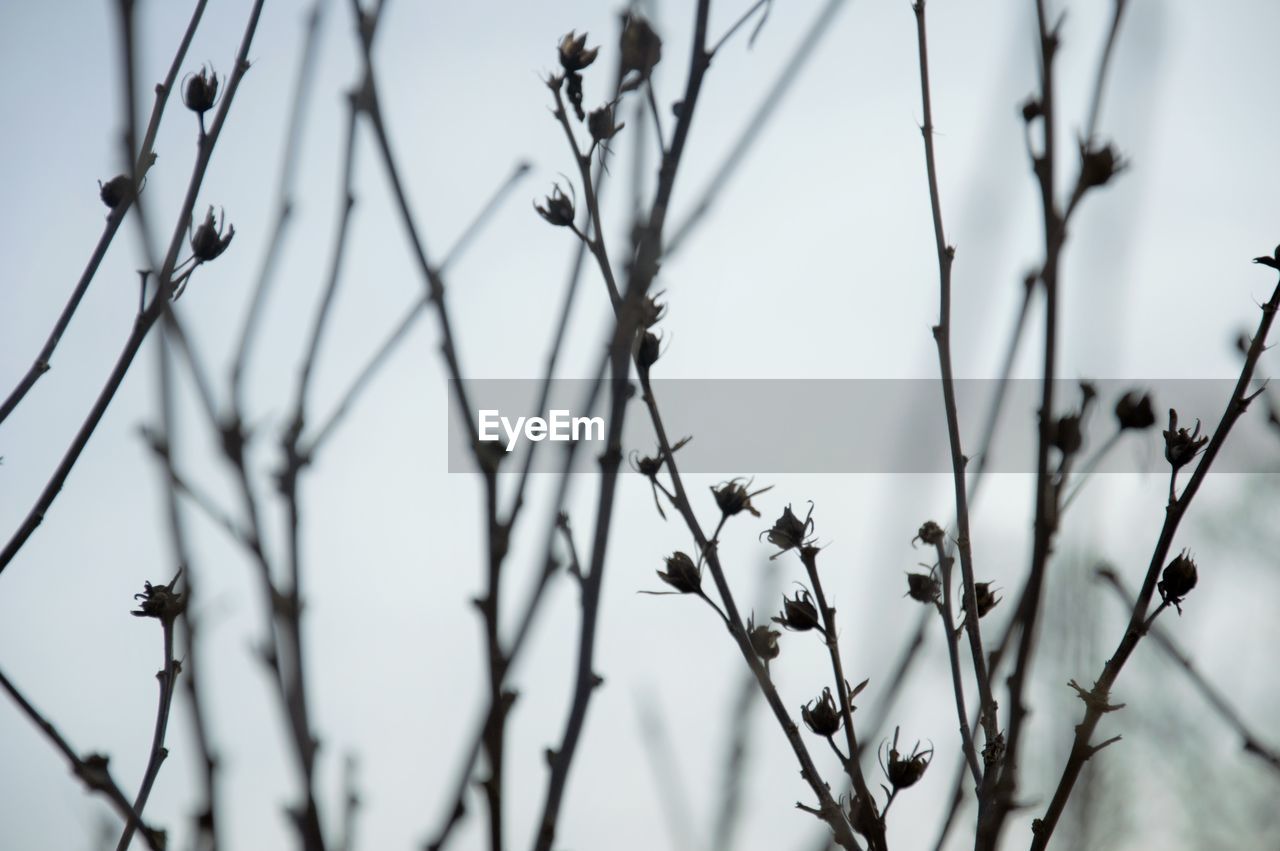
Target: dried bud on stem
[764, 640]
[162, 602]
[116, 191]
[922, 588]
[789, 531]
[799, 614]
[1178, 580]
[682, 574]
[821, 715]
[733, 497]
[210, 239]
[1135, 411]
[557, 208]
[1181, 445]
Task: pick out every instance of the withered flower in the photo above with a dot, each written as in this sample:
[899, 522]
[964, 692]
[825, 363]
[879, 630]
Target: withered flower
[651, 312]
[1099, 164]
[789, 531]
[1134, 411]
[1178, 579]
[160, 601]
[682, 574]
[905, 771]
[764, 640]
[641, 47]
[115, 191]
[648, 350]
[574, 55]
[821, 715]
[557, 208]
[733, 498]
[930, 533]
[985, 598]
[601, 124]
[200, 91]
[1180, 445]
[798, 614]
[210, 240]
[922, 587]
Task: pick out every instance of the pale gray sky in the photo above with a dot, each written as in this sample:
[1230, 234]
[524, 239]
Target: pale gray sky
[816, 262]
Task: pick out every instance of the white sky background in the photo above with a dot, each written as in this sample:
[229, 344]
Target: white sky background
[817, 262]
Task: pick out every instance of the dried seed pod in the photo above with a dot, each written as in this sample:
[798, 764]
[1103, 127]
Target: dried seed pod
[116, 191]
[789, 531]
[821, 715]
[200, 91]
[930, 533]
[641, 47]
[682, 574]
[557, 208]
[211, 239]
[574, 54]
[798, 614]
[922, 587]
[601, 124]
[1180, 445]
[764, 640]
[1135, 411]
[1177, 581]
[733, 497]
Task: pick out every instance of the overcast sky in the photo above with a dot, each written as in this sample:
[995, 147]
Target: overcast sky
[815, 262]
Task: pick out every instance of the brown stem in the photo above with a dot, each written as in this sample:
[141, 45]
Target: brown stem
[1096, 706]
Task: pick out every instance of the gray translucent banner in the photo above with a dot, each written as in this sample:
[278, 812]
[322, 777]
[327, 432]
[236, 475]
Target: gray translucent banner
[762, 426]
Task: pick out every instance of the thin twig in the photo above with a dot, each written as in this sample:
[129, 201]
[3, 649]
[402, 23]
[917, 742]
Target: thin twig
[143, 162]
[942, 336]
[145, 321]
[290, 157]
[805, 50]
[167, 677]
[92, 769]
[1250, 741]
[392, 342]
[1097, 705]
[947, 610]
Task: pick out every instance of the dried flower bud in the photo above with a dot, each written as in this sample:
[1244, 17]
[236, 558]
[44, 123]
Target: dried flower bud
[905, 771]
[821, 715]
[1134, 411]
[798, 614]
[574, 55]
[1180, 445]
[645, 465]
[984, 597]
[557, 208]
[931, 533]
[160, 601]
[1066, 434]
[1031, 110]
[601, 124]
[200, 91]
[789, 531]
[651, 312]
[764, 640]
[1099, 165]
[648, 350]
[682, 574]
[922, 587]
[115, 191]
[640, 46]
[1178, 580]
[209, 240]
[733, 498]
